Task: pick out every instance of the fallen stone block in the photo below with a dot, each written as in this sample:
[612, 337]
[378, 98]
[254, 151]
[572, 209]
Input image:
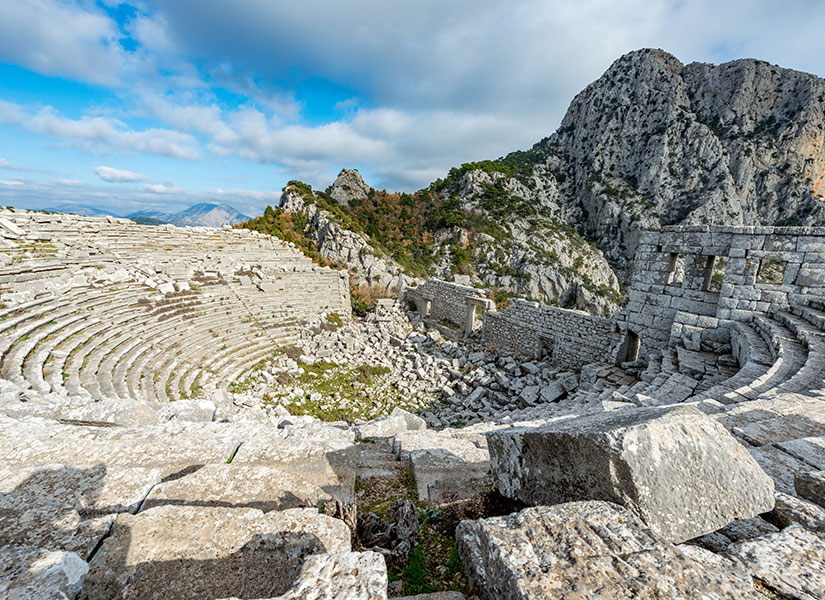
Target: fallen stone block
[399, 420]
[189, 410]
[791, 561]
[586, 550]
[447, 475]
[111, 411]
[790, 509]
[675, 467]
[811, 486]
[198, 552]
[27, 573]
[553, 391]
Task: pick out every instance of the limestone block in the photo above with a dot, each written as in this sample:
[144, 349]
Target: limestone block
[189, 410]
[584, 550]
[250, 486]
[324, 457]
[791, 561]
[790, 509]
[675, 467]
[810, 450]
[11, 230]
[199, 552]
[341, 576]
[443, 475]
[811, 486]
[399, 420]
[111, 411]
[67, 508]
[779, 465]
[27, 573]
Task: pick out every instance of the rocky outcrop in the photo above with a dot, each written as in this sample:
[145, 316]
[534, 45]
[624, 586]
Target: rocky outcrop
[587, 550]
[343, 246]
[676, 468]
[533, 257]
[349, 186]
[655, 142]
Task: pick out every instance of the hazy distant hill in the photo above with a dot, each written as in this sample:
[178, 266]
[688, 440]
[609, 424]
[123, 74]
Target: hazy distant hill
[79, 209]
[204, 214]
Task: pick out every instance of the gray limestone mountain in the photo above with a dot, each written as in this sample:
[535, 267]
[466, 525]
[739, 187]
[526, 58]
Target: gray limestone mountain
[652, 142]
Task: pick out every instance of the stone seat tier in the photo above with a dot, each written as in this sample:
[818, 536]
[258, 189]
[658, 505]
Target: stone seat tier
[138, 319]
[754, 374]
[809, 376]
[142, 373]
[130, 369]
[34, 323]
[790, 354]
[198, 351]
[166, 363]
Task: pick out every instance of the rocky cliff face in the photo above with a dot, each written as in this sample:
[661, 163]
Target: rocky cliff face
[343, 246]
[656, 142]
[534, 255]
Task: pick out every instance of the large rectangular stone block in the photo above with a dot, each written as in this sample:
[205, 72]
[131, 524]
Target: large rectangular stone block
[675, 467]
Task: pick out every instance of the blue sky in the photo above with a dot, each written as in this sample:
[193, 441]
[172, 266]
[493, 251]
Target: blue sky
[159, 104]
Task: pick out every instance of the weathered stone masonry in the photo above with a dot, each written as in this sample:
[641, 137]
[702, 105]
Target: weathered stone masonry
[688, 285]
[689, 281]
[568, 338]
[457, 304]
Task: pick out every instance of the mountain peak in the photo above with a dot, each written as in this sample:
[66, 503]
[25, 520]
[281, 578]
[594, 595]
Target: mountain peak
[348, 186]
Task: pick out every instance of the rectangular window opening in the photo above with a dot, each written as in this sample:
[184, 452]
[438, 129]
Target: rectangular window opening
[771, 271]
[675, 269]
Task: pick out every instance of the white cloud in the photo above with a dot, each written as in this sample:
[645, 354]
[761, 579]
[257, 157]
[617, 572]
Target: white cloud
[10, 183]
[113, 175]
[157, 188]
[60, 38]
[5, 164]
[94, 133]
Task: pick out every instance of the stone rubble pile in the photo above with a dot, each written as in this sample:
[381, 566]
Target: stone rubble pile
[449, 382]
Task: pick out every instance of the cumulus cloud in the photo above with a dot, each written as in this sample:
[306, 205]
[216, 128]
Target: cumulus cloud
[60, 38]
[113, 175]
[92, 133]
[425, 85]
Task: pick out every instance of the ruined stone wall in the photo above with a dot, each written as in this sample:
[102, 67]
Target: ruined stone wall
[687, 281]
[568, 338]
[447, 301]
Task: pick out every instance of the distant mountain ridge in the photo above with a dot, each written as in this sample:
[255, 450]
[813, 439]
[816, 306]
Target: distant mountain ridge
[203, 214]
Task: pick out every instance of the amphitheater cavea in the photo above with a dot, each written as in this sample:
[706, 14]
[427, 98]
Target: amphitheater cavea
[157, 441]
